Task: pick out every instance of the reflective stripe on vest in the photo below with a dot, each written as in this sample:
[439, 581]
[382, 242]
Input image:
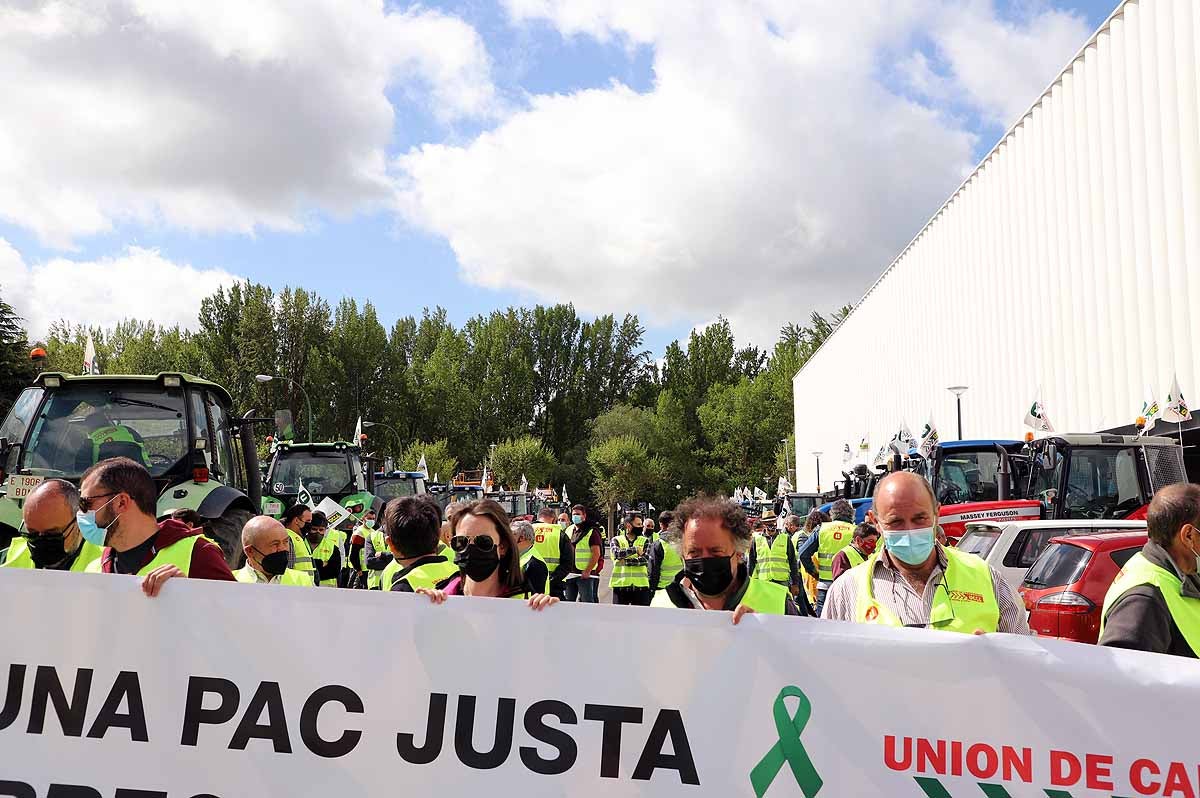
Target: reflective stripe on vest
[547, 539]
[323, 552]
[630, 575]
[428, 575]
[833, 537]
[178, 554]
[19, 556]
[767, 598]
[966, 603]
[247, 575]
[1185, 611]
[303, 560]
[771, 561]
[670, 566]
[532, 554]
[583, 551]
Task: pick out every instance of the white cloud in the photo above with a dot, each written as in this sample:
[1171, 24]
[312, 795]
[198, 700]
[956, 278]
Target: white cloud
[224, 115]
[768, 172]
[138, 284]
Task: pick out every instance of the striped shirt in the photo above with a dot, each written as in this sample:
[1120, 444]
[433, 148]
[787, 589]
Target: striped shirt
[893, 591]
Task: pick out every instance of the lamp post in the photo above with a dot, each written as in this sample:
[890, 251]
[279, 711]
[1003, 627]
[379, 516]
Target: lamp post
[265, 378]
[818, 456]
[958, 391]
[787, 463]
[385, 426]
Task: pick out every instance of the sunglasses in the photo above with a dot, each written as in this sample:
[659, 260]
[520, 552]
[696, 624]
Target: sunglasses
[482, 542]
[87, 502]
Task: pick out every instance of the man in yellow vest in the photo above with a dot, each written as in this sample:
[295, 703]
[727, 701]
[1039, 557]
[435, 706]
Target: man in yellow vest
[665, 562]
[327, 558]
[411, 525]
[537, 574]
[826, 541]
[714, 538]
[554, 549]
[586, 541]
[630, 581]
[265, 542]
[864, 544]
[917, 582]
[1154, 604]
[117, 509]
[50, 537]
[296, 520]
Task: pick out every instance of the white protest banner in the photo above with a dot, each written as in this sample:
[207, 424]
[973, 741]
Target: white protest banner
[334, 512]
[226, 690]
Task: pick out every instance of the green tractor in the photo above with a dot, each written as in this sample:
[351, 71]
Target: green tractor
[326, 469]
[180, 427]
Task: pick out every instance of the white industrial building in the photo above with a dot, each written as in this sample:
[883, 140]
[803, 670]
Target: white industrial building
[1067, 263]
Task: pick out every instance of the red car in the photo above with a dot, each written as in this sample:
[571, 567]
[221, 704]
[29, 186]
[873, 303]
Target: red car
[1064, 589]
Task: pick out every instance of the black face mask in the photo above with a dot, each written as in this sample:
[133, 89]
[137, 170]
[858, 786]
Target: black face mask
[47, 550]
[275, 563]
[476, 564]
[712, 576]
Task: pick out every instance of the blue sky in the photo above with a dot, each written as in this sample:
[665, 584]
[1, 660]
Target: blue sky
[401, 265]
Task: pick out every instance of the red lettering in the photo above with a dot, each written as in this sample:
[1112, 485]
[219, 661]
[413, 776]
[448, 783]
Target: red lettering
[930, 757]
[889, 753]
[1065, 769]
[956, 756]
[837, 535]
[1135, 777]
[1099, 772]
[991, 761]
[1177, 782]
[1020, 763]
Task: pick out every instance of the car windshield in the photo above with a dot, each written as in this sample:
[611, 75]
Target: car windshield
[324, 473]
[802, 505]
[81, 425]
[389, 488]
[979, 540]
[968, 477]
[1060, 564]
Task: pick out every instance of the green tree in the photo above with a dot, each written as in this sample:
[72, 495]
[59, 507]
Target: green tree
[622, 470]
[16, 369]
[525, 456]
[438, 459]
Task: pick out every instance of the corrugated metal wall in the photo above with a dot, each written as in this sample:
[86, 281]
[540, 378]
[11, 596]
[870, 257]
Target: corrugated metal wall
[1069, 260]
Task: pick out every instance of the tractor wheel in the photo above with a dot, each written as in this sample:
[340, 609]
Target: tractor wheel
[227, 530]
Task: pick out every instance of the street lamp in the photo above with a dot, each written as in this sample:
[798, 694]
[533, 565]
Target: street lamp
[265, 378]
[787, 463]
[818, 456]
[385, 426]
[958, 391]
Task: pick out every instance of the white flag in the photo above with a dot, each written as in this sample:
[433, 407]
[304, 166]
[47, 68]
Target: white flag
[436, 481]
[303, 496]
[358, 433]
[1176, 409]
[906, 439]
[483, 481]
[1037, 418]
[524, 484]
[881, 457]
[929, 439]
[90, 366]
[1150, 413]
[846, 455]
[424, 469]
[565, 499]
[783, 488]
[863, 446]
[334, 512]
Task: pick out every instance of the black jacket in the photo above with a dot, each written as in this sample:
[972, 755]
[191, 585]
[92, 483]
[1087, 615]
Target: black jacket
[1140, 619]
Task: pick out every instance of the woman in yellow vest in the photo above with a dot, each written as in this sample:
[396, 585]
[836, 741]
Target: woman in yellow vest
[487, 557]
[714, 539]
[265, 542]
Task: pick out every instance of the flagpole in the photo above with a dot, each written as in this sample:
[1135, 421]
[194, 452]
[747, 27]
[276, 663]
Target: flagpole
[1179, 426]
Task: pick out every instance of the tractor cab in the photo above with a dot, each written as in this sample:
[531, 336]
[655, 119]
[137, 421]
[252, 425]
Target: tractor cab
[1100, 476]
[802, 504]
[446, 495]
[972, 471]
[518, 505]
[398, 484]
[333, 470]
[180, 427]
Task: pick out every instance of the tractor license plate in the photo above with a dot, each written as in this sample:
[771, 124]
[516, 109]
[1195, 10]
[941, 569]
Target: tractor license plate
[21, 485]
[272, 508]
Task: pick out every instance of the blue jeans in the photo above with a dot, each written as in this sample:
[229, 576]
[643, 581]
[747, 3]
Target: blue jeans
[580, 589]
[822, 589]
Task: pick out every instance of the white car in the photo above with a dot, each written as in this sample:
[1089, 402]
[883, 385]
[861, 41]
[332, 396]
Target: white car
[1012, 547]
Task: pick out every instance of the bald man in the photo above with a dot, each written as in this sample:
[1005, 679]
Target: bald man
[915, 581]
[265, 542]
[50, 539]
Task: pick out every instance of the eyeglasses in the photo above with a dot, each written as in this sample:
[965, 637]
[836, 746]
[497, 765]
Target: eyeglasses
[30, 534]
[481, 542]
[85, 502]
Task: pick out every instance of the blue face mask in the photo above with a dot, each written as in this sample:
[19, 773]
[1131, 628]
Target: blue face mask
[92, 532]
[910, 546]
[577, 519]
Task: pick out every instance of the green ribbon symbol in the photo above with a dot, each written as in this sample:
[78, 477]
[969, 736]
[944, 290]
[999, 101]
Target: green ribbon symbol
[788, 750]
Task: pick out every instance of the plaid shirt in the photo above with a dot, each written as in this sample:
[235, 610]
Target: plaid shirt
[893, 591]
